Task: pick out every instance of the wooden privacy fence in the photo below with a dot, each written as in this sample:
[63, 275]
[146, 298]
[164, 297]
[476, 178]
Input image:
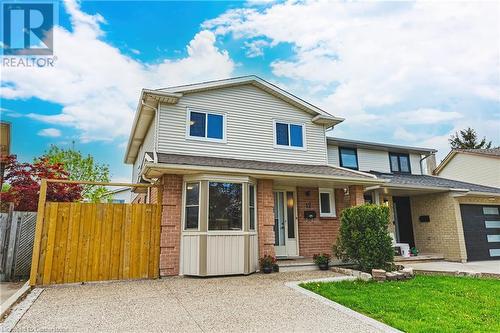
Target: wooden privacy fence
[78, 242]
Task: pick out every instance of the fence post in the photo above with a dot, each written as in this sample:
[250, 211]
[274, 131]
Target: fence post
[38, 231]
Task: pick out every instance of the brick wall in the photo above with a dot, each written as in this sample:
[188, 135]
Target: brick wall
[171, 225]
[265, 217]
[356, 195]
[319, 234]
[444, 233]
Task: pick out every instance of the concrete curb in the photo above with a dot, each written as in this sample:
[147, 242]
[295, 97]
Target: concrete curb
[5, 306]
[339, 307]
[19, 310]
[457, 273]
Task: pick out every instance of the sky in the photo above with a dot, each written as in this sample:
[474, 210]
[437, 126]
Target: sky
[408, 73]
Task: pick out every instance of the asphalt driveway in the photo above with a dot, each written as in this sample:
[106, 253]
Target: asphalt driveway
[230, 304]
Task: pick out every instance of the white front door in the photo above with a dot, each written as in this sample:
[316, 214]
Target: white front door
[285, 229]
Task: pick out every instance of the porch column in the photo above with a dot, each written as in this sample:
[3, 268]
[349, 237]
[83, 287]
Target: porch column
[171, 225]
[265, 216]
[356, 195]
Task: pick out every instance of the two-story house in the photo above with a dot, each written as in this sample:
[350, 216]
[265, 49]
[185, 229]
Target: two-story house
[247, 170]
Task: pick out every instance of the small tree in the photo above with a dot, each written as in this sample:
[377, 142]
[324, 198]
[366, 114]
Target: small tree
[467, 139]
[364, 238]
[25, 178]
[79, 167]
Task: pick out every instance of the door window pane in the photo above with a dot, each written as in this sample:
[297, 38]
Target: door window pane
[325, 203]
[348, 158]
[296, 136]
[492, 224]
[215, 126]
[290, 214]
[490, 210]
[192, 205]
[224, 206]
[197, 126]
[282, 134]
[251, 205]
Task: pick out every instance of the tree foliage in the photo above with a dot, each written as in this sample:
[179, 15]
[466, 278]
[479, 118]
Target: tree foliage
[80, 167]
[467, 139]
[25, 178]
[364, 238]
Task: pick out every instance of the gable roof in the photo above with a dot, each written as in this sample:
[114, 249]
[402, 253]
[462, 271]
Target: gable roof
[426, 181]
[490, 152]
[149, 100]
[378, 146]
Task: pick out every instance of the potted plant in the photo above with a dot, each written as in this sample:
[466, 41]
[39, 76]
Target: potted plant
[414, 251]
[266, 263]
[322, 260]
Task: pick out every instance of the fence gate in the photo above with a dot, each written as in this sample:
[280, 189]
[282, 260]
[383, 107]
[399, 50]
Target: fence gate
[78, 242]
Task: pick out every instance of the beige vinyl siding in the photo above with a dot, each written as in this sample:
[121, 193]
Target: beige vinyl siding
[376, 160]
[250, 132]
[147, 146]
[333, 155]
[373, 160]
[190, 254]
[225, 254]
[473, 169]
[415, 164]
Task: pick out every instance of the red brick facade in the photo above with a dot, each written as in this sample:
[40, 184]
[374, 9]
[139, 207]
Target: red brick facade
[265, 217]
[356, 195]
[171, 225]
[319, 234]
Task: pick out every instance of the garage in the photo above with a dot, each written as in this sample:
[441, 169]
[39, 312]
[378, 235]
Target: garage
[481, 226]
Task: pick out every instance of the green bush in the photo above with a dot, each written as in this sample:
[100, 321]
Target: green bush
[364, 238]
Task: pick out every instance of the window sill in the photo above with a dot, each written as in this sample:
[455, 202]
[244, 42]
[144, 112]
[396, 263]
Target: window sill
[200, 138]
[329, 216]
[290, 148]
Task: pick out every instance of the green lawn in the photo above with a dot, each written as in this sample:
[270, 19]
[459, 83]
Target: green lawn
[423, 304]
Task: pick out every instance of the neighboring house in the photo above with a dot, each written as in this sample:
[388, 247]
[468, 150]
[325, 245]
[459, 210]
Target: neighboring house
[120, 195]
[246, 171]
[479, 166]
[457, 219]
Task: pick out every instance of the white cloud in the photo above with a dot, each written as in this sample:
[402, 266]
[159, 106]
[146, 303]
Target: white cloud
[255, 48]
[371, 62]
[97, 85]
[427, 116]
[50, 132]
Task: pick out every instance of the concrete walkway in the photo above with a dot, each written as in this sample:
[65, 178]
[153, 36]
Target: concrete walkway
[8, 289]
[254, 303]
[489, 266]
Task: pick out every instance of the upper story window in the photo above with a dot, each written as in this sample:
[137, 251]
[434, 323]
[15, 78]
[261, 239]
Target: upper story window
[348, 158]
[289, 135]
[206, 126]
[399, 162]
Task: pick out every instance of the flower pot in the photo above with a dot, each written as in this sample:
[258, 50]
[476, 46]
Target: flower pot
[267, 269]
[324, 266]
[276, 268]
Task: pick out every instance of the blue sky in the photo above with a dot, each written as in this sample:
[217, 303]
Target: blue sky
[406, 73]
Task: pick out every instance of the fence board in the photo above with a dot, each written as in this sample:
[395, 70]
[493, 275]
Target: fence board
[82, 242]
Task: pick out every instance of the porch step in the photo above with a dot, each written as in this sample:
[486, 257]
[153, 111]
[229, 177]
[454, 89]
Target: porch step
[297, 264]
[420, 258]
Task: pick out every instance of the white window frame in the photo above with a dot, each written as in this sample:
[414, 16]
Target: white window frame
[184, 198]
[205, 138]
[333, 209]
[254, 206]
[276, 145]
